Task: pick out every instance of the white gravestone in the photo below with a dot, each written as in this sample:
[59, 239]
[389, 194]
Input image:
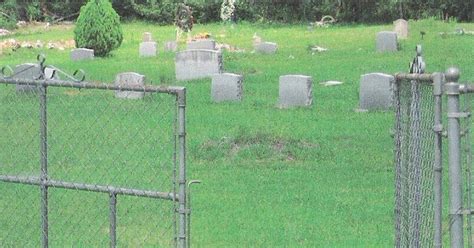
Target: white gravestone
[129, 79]
[375, 92]
[147, 37]
[226, 87]
[148, 49]
[197, 64]
[401, 28]
[295, 90]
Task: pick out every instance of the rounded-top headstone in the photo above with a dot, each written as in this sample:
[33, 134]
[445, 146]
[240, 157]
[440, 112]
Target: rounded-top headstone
[130, 79]
[452, 74]
[401, 28]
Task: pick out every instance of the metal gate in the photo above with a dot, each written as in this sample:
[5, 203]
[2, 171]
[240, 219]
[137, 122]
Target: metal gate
[80, 167]
[420, 125]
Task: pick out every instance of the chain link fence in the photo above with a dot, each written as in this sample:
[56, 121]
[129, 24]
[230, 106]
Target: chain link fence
[414, 141]
[82, 167]
[466, 162]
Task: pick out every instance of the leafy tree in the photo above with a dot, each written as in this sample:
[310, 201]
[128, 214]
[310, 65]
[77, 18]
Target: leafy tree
[98, 27]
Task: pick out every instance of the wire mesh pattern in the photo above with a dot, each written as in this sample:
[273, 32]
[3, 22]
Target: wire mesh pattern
[466, 162]
[105, 163]
[414, 157]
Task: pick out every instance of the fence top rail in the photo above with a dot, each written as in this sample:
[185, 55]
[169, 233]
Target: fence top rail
[424, 78]
[174, 90]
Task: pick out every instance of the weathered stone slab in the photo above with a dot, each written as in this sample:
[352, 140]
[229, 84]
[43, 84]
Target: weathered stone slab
[27, 71]
[147, 37]
[386, 42]
[148, 49]
[196, 64]
[171, 46]
[375, 92]
[206, 44]
[266, 47]
[226, 87]
[295, 90]
[401, 28]
[129, 79]
[82, 54]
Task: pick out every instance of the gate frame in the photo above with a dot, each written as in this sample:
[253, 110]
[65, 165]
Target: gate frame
[42, 83]
[437, 80]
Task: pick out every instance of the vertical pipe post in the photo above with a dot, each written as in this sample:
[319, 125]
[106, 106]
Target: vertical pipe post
[44, 163]
[438, 81]
[113, 220]
[182, 208]
[398, 164]
[454, 157]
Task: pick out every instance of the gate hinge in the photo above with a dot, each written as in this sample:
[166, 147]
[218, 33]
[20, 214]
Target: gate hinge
[438, 128]
[467, 211]
[183, 211]
[459, 115]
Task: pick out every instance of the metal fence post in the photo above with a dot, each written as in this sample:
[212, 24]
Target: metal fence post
[182, 230]
[44, 164]
[113, 219]
[398, 165]
[438, 81]
[455, 171]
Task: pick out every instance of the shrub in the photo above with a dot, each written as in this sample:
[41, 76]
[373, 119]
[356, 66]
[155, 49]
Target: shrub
[98, 28]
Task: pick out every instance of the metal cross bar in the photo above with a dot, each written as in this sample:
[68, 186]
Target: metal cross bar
[89, 85]
[89, 187]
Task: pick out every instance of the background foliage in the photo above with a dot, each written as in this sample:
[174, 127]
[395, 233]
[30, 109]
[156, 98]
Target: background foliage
[162, 11]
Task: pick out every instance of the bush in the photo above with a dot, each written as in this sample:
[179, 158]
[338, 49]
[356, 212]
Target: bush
[98, 28]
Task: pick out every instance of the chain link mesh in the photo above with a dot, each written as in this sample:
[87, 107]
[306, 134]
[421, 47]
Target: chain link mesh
[466, 162]
[414, 156]
[94, 139]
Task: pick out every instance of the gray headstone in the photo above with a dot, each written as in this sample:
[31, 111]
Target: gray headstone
[266, 47]
[375, 91]
[129, 79]
[82, 54]
[386, 42]
[147, 37]
[27, 71]
[171, 46]
[401, 28]
[226, 87]
[295, 90]
[202, 44]
[196, 64]
[148, 49]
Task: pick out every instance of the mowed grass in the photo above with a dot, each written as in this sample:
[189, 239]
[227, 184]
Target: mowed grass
[319, 176]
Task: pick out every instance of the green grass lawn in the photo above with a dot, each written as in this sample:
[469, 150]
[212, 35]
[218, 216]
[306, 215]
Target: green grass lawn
[315, 177]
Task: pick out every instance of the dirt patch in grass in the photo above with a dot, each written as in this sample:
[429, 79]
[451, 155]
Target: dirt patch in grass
[256, 146]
